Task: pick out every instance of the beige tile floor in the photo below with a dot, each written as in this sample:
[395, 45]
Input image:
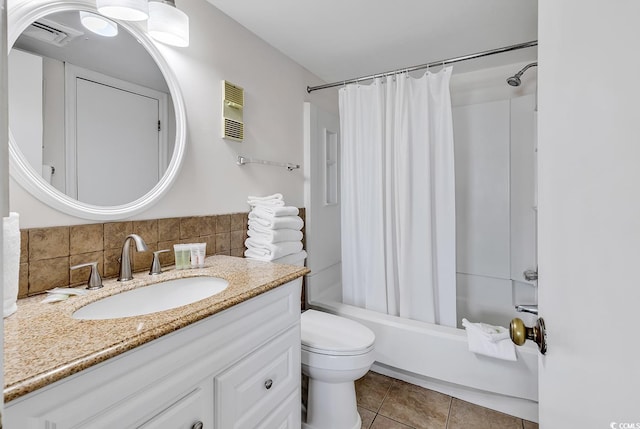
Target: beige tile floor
[387, 403]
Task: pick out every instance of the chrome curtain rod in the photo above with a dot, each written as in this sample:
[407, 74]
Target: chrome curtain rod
[424, 66]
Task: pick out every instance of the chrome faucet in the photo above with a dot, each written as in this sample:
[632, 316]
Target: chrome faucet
[533, 309]
[125, 259]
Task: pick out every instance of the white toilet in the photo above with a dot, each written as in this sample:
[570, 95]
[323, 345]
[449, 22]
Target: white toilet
[335, 352]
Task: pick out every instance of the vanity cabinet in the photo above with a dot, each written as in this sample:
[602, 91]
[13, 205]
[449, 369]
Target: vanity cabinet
[239, 368]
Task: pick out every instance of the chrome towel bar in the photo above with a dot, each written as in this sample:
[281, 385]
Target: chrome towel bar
[242, 160]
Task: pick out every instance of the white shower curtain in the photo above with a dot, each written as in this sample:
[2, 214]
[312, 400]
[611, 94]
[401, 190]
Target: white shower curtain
[397, 199]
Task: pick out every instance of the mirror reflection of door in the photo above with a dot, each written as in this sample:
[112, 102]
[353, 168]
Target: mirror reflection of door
[116, 143]
[115, 165]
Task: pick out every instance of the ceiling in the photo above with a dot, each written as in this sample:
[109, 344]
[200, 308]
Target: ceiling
[343, 39]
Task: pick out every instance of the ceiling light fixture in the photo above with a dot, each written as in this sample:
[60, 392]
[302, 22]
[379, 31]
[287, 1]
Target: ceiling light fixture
[98, 24]
[127, 10]
[168, 24]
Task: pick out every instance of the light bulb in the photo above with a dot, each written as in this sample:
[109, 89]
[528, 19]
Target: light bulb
[168, 24]
[127, 10]
[98, 24]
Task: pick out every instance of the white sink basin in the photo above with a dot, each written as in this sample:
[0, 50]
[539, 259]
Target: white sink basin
[152, 298]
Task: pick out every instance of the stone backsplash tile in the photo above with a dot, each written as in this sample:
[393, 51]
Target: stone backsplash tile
[111, 265]
[23, 283]
[86, 238]
[190, 227]
[47, 254]
[237, 240]
[47, 274]
[223, 224]
[237, 222]
[24, 246]
[223, 243]
[237, 252]
[147, 229]
[115, 233]
[141, 261]
[167, 258]
[169, 229]
[48, 243]
[207, 226]
[211, 243]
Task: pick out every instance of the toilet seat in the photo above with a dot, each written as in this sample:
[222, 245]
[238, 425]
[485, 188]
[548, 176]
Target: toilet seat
[327, 334]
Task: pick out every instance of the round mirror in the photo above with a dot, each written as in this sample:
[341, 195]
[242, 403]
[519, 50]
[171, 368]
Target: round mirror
[97, 122]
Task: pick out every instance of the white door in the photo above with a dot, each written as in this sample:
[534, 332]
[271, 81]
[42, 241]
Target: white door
[115, 164]
[4, 158]
[589, 213]
[115, 135]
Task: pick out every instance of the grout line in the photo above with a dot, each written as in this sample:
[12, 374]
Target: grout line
[386, 394]
[446, 424]
[373, 421]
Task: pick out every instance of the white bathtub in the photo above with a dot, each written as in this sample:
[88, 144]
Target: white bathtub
[437, 357]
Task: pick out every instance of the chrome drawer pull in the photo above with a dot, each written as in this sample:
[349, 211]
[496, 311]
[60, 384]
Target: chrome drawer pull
[268, 384]
[197, 425]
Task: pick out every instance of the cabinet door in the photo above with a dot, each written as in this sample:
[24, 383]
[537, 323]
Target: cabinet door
[250, 390]
[189, 412]
[286, 416]
[155, 408]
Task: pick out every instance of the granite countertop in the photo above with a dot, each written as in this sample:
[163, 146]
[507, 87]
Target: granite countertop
[43, 344]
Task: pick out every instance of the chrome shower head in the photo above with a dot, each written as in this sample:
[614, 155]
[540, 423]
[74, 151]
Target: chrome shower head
[515, 79]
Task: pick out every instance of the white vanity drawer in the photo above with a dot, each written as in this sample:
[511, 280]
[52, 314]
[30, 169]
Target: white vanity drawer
[286, 416]
[188, 412]
[257, 385]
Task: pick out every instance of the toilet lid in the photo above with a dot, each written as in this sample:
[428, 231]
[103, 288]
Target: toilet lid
[329, 334]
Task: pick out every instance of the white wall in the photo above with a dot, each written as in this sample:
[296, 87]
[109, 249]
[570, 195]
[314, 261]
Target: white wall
[25, 97]
[210, 182]
[495, 221]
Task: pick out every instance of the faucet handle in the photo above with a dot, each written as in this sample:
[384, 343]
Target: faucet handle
[95, 281]
[155, 264]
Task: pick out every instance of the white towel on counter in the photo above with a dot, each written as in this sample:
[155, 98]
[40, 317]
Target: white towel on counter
[274, 200]
[268, 235]
[281, 222]
[11, 262]
[489, 340]
[269, 252]
[269, 212]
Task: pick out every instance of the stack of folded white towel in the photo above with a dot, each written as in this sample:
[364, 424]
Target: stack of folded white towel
[274, 229]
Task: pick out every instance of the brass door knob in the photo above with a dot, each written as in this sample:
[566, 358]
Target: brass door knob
[520, 333]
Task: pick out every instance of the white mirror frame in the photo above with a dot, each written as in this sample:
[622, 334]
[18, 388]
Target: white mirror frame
[19, 17]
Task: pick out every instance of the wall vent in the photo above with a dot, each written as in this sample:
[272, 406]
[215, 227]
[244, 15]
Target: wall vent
[51, 32]
[232, 117]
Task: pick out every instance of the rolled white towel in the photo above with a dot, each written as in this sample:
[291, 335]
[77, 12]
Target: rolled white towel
[268, 212]
[269, 252]
[270, 200]
[11, 256]
[489, 340]
[274, 235]
[281, 222]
